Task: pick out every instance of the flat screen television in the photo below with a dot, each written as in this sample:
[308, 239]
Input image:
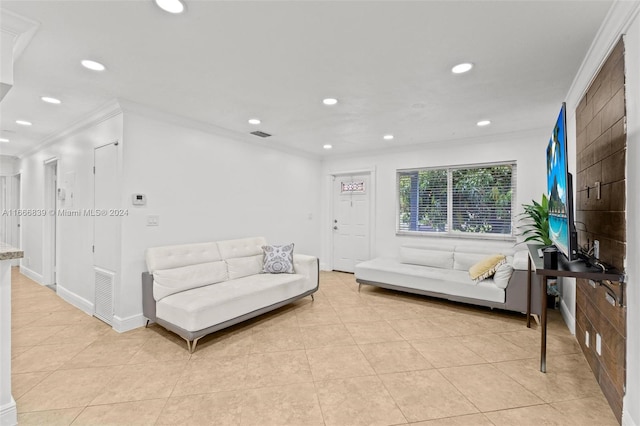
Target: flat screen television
[560, 190]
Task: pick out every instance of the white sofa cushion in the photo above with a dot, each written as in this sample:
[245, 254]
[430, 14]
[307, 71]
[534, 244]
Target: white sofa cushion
[437, 280]
[426, 257]
[242, 247]
[175, 256]
[244, 266]
[202, 307]
[169, 281]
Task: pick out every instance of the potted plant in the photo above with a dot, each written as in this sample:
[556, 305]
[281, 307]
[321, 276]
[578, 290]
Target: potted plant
[536, 221]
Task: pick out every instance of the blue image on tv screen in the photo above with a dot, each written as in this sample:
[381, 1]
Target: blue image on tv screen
[557, 185]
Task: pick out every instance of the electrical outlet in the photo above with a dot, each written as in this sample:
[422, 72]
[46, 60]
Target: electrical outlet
[598, 344]
[586, 338]
[596, 249]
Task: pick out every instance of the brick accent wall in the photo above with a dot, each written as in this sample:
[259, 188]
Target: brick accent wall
[601, 151]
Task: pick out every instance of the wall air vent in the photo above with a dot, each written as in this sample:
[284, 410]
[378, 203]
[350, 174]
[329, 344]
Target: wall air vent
[261, 134]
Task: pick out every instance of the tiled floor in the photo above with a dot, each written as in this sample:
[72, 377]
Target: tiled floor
[371, 358]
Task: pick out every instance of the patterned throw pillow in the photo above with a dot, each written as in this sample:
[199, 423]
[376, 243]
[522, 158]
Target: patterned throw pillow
[278, 259]
[486, 267]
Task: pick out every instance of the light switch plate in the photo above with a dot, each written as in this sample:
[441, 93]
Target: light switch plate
[598, 344]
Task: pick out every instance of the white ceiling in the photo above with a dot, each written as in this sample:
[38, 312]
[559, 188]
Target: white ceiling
[223, 62]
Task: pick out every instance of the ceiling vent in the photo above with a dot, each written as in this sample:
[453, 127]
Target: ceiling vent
[261, 134]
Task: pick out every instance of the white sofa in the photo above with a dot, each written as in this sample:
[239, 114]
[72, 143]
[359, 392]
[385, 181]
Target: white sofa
[442, 271]
[196, 289]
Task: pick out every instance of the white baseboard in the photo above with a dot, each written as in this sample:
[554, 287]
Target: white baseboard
[31, 274]
[129, 323]
[77, 301]
[568, 318]
[9, 414]
[627, 420]
[324, 267]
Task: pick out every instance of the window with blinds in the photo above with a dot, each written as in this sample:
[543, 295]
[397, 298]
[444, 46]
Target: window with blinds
[475, 199]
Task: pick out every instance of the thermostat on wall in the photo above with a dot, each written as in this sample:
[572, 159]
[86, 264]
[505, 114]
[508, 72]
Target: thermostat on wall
[139, 199]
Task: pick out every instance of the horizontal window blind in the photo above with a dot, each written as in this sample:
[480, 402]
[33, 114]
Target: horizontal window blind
[469, 199]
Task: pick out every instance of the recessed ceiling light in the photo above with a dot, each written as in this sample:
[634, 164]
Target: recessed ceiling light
[327, 146]
[254, 121]
[50, 100]
[23, 122]
[4, 140]
[387, 137]
[92, 65]
[483, 123]
[171, 6]
[462, 68]
[330, 101]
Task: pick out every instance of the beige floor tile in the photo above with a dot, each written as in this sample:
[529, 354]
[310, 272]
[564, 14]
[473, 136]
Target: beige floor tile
[587, 411]
[294, 405]
[495, 348]
[337, 362]
[447, 352]
[528, 416]
[346, 299]
[417, 329]
[30, 336]
[161, 348]
[359, 314]
[317, 315]
[278, 368]
[219, 408]
[105, 352]
[458, 325]
[280, 318]
[566, 378]
[394, 357]
[24, 382]
[426, 394]
[140, 382]
[126, 413]
[69, 317]
[373, 332]
[468, 420]
[86, 332]
[326, 335]
[529, 340]
[276, 339]
[45, 357]
[357, 401]
[20, 320]
[66, 389]
[223, 373]
[18, 350]
[234, 342]
[488, 388]
[61, 417]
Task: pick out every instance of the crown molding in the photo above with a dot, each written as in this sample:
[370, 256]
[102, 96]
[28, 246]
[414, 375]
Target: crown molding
[22, 30]
[105, 112]
[132, 107]
[620, 16]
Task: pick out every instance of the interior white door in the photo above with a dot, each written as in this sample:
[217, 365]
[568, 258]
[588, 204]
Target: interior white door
[351, 221]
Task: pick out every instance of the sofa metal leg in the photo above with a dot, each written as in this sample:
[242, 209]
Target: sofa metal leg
[536, 318]
[312, 298]
[147, 324]
[189, 345]
[193, 344]
[359, 285]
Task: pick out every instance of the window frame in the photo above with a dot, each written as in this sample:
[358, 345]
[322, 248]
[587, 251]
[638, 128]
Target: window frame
[449, 232]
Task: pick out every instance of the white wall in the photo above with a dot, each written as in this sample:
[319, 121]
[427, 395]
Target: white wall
[74, 152]
[8, 165]
[631, 410]
[206, 187]
[528, 149]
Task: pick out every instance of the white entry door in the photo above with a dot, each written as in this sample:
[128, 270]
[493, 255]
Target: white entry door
[351, 230]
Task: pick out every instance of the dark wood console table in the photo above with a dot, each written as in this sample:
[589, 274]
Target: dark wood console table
[575, 269]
